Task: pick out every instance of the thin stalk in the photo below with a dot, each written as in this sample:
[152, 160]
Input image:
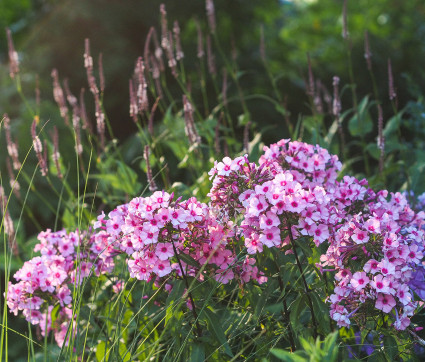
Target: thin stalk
[195, 315]
[286, 312]
[306, 287]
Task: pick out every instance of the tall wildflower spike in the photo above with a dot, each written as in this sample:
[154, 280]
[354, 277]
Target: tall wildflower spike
[336, 109]
[100, 121]
[55, 153]
[59, 97]
[170, 55]
[146, 53]
[200, 53]
[101, 73]
[367, 52]
[14, 184]
[210, 57]
[391, 90]
[142, 95]
[209, 6]
[12, 147]
[152, 185]
[133, 101]
[83, 112]
[179, 49]
[262, 44]
[189, 124]
[13, 55]
[38, 148]
[9, 229]
[158, 51]
[88, 64]
[381, 138]
[155, 75]
[317, 97]
[164, 27]
[345, 33]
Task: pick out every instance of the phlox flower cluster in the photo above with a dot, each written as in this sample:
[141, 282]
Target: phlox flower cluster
[376, 253]
[162, 237]
[48, 280]
[375, 241]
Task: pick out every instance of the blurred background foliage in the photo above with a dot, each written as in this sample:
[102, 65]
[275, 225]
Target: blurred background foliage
[50, 34]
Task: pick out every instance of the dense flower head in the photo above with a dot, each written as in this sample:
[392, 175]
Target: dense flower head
[309, 164]
[380, 249]
[46, 280]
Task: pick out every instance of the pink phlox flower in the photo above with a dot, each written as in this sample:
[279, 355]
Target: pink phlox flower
[360, 236]
[195, 211]
[164, 251]
[359, 280]
[403, 294]
[385, 303]
[269, 220]
[387, 268]
[162, 268]
[371, 266]
[295, 204]
[224, 276]
[414, 255]
[64, 296]
[320, 234]
[253, 244]
[373, 225]
[343, 276]
[257, 204]
[225, 167]
[390, 240]
[380, 284]
[33, 316]
[178, 218]
[149, 237]
[58, 275]
[271, 237]
[245, 197]
[160, 199]
[163, 216]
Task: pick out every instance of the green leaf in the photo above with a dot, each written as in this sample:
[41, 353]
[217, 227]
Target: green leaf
[361, 123]
[390, 347]
[295, 309]
[102, 353]
[287, 356]
[216, 329]
[198, 352]
[173, 300]
[322, 311]
[189, 260]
